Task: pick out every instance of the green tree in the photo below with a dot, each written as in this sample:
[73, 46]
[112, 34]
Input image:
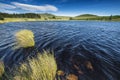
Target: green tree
[110, 18]
[71, 18]
[1, 18]
[54, 17]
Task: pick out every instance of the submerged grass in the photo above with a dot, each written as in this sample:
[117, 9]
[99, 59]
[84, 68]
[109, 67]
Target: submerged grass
[1, 69]
[41, 68]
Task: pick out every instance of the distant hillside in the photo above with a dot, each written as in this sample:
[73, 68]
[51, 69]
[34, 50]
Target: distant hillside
[25, 15]
[42, 16]
[48, 16]
[87, 15]
[96, 17]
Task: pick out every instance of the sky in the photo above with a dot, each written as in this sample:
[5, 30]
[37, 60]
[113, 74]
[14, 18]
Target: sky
[62, 7]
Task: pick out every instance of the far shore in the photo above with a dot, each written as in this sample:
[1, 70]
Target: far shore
[6, 20]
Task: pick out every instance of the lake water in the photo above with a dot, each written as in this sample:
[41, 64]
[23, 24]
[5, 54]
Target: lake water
[81, 41]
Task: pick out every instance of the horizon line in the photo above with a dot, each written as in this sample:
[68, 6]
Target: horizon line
[61, 14]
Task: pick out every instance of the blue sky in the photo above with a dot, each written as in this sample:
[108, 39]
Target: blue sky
[62, 7]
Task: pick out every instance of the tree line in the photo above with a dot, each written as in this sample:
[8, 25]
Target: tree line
[26, 15]
[51, 16]
[111, 17]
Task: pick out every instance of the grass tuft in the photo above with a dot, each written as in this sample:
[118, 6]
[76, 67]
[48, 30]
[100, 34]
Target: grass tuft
[24, 38]
[41, 68]
[1, 69]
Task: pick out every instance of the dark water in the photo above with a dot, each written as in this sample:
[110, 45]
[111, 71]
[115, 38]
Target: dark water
[73, 42]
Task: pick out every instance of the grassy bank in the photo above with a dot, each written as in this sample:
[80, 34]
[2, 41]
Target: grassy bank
[5, 17]
[95, 19]
[19, 20]
[32, 19]
[6, 20]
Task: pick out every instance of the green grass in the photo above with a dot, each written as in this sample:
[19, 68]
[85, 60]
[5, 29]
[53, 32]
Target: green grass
[116, 19]
[84, 17]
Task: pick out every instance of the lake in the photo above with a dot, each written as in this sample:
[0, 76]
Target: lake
[82, 41]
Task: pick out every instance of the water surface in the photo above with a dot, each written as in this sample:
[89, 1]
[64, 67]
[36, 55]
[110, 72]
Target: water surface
[77, 41]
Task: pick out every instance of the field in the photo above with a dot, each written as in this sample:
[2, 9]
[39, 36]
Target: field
[51, 17]
[32, 19]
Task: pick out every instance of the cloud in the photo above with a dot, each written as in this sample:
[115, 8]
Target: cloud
[8, 11]
[34, 7]
[15, 6]
[6, 6]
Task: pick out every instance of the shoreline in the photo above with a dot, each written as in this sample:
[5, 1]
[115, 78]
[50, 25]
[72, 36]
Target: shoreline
[7, 20]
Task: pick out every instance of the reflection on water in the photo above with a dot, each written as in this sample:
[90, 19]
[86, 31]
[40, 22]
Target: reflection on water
[88, 49]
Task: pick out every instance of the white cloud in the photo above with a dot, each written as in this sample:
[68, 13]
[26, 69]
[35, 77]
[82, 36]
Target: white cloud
[34, 7]
[6, 6]
[15, 6]
[8, 11]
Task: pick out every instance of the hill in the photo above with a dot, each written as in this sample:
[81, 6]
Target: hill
[87, 15]
[96, 17]
[5, 17]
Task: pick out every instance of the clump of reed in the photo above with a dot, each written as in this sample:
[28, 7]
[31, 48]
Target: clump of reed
[1, 69]
[41, 68]
[24, 39]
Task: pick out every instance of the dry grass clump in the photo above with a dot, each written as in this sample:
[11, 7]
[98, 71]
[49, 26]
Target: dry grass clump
[1, 68]
[41, 68]
[24, 38]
